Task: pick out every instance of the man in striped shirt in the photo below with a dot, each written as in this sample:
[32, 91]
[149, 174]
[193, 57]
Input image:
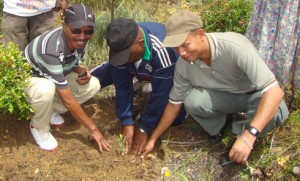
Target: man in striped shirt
[135, 50]
[59, 83]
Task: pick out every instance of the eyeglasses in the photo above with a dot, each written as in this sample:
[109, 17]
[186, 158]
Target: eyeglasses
[79, 31]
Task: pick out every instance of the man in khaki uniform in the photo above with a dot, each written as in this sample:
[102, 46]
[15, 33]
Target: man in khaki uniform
[220, 73]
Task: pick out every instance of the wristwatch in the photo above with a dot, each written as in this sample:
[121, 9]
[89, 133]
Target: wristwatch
[142, 131]
[253, 131]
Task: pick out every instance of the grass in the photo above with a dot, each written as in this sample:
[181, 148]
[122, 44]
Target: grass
[263, 161]
[186, 153]
[273, 158]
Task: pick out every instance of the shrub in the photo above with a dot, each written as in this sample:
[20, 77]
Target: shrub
[14, 74]
[97, 51]
[226, 15]
[1, 6]
[1, 13]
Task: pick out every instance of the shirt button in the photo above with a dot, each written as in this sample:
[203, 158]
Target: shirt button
[213, 72]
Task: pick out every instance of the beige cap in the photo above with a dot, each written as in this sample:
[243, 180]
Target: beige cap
[178, 27]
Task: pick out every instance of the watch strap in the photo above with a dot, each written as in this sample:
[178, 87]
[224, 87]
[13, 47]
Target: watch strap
[253, 131]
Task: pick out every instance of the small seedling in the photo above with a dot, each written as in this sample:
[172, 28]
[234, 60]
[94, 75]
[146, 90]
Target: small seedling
[121, 144]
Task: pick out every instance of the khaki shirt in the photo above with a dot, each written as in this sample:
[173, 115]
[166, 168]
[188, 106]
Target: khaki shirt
[236, 67]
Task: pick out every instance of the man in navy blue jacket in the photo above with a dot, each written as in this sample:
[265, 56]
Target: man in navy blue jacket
[135, 50]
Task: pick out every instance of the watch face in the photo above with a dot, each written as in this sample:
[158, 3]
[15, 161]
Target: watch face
[253, 131]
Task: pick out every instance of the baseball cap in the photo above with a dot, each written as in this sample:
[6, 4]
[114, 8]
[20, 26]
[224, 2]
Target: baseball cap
[79, 15]
[120, 34]
[178, 27]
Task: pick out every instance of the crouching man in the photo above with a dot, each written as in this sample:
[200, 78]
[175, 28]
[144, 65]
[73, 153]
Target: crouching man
[59, 83]
[217, 74]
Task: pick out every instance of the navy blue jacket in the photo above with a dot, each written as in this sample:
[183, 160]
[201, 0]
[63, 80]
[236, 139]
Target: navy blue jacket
[159, 70]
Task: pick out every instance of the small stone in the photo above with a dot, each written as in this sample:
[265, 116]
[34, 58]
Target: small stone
[36, 171]
[296, 171]
[164, 169]
[150, 157]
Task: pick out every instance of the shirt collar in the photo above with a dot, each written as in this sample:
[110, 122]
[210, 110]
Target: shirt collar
[146, 55]
[213, 44]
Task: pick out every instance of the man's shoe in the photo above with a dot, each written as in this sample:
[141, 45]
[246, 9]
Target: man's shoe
[44, 139]
[214, 139]
[56, 120]
[218, 137]
[224, 159]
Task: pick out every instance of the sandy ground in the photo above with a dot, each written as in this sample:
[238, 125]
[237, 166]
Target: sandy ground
[184, 152]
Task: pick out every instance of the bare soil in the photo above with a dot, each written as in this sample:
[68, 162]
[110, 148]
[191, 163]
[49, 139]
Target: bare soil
[184, 152]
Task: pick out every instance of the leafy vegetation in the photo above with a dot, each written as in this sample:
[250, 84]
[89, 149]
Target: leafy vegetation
[1, 6]
[277, 155]
[14, 73]
[226, 15]
[121, 144]
[1, 12]
[219, 15]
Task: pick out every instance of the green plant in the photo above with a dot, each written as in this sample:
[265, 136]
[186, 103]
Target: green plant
[95, 4]
[226, 15]
[14, 75]
[1, 6]
[277, 155]
[1, 12]
[97, 51]
[292, 97]
[228, 138]
[121, 144]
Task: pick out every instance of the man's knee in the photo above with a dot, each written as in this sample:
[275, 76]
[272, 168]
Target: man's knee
[95, 85]
[198, 106]
[43, 91]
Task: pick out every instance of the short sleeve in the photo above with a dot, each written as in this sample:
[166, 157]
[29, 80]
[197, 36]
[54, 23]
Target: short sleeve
[255, 67]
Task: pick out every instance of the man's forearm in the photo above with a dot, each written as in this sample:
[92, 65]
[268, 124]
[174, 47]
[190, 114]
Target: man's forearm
[169, 115]
[75, 109]
[267, 107]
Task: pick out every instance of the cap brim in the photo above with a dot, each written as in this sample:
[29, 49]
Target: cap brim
[120, 57]
[81, 23]
[175, 40]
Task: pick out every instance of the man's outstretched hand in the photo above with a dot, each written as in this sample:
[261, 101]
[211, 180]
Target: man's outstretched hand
[148, 148]
[100, 140]
[139, 141]
[128, 132]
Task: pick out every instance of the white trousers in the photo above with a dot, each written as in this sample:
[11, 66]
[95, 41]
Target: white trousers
[41, 94]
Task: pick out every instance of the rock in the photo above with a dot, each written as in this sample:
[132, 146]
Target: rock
[296, 170]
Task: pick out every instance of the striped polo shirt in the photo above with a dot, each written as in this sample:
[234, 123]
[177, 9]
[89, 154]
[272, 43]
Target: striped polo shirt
[50, 57]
